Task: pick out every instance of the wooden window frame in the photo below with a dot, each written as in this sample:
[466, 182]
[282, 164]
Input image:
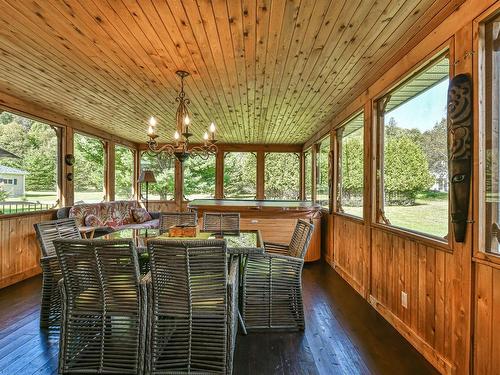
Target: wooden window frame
[378, 109]
[337, 167]
[316, 150]
[480, 253]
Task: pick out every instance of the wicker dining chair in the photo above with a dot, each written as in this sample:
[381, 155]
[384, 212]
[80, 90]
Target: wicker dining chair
[192, 308]
[170, 219]
[221, 222]
[46, 233]
[104, 309]
[272, 284]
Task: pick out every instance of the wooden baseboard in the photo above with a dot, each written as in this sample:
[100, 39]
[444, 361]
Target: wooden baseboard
[348, 278]
[12, 279]
[441, 363]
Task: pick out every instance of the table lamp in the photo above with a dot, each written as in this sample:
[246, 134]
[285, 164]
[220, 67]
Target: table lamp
[147, 177]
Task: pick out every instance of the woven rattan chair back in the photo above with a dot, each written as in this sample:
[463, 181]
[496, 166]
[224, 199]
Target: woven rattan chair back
[48, 231]
[300, 239]
[188, 307]
[170, 219]
[82, 320]
[124, 307]
[104, 307]
[221, 222]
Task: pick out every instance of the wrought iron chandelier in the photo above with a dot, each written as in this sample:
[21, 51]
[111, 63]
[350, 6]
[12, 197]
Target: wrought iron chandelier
[181, 149]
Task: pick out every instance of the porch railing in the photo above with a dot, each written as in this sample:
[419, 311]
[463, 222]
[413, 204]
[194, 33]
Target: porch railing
[18, 207]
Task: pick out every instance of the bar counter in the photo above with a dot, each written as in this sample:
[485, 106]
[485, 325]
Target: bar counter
[275, 219]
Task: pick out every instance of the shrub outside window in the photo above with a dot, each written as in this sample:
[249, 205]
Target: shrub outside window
[414, 162]
[124, 173]
[350, 179]
[240, 175]
[88, 170]
[308, 174]
[282, 176]
[199, 178]
[322, 178]
[29, 165]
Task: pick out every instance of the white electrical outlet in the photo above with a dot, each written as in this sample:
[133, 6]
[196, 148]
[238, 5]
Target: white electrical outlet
[404, 299]
[253, 221]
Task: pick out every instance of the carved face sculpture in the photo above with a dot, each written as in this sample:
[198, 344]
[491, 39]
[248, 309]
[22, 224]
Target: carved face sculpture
[460, 151]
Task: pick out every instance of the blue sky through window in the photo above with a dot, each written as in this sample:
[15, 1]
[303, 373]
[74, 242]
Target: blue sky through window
[423, 111]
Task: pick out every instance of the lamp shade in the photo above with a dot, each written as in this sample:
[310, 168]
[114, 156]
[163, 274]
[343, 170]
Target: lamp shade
[147, 176]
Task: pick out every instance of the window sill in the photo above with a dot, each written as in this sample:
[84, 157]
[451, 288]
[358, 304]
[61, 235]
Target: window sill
[350, 217]
[440, 244]
[489, 259]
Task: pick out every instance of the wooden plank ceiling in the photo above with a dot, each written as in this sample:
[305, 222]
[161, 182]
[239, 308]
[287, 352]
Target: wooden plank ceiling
[266, 71]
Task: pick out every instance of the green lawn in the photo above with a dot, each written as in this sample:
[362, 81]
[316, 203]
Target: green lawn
[47, 197]
[429, 215]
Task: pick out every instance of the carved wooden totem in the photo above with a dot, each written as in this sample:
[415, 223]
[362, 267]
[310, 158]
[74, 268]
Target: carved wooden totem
[460, 151]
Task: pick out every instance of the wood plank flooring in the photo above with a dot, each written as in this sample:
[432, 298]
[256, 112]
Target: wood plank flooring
[343, 335]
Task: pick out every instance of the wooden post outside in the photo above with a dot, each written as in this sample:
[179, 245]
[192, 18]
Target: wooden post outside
[261, 161]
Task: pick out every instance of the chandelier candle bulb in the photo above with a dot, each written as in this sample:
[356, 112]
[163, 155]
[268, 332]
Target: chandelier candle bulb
[205, 138]
[212, 130]
[152, 121]
[176, 137]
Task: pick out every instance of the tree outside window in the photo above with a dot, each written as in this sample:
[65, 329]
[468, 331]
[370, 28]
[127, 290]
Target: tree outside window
[240, 175]
[124, 173]
[282, 176]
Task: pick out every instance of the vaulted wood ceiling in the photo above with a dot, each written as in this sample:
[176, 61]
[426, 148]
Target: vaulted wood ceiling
[266, 71]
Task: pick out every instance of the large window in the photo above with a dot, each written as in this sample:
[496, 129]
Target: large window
[492, 138]
[308, 174]
[164, 171]
[414, 162]
[88, 170]
[124, 173]
[199, 178]
[240, 175]
[322, 190]
[282, 176]
[28, 164]
[350, 167]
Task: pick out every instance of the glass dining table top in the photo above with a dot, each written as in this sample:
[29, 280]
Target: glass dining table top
[245, 242]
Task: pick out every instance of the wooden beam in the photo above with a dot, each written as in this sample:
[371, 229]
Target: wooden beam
[244, 147]
[26, 109]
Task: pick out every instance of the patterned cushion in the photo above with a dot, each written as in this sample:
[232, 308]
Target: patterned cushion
[141, 215]
[81, 211]
[110, 214]
[93, 221]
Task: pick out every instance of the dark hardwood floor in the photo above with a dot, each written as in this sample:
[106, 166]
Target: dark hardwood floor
[343, 335]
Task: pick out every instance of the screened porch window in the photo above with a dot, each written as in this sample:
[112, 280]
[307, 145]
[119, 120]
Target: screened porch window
[308, 174]
[282, 176]
[240, 175]
[164, 171]
[124, 173]
[413, 165]
[199, 178]
[88, 169]
[322, 168]
[28, 164]
[350, 178]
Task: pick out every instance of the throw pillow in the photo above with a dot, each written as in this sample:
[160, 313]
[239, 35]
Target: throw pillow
[141, 215]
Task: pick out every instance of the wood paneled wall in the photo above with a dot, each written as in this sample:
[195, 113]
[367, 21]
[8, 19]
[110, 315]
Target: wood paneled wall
[453, 308]
[19, 252]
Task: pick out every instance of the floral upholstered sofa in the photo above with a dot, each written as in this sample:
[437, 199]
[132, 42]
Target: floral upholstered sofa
[108, 217]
